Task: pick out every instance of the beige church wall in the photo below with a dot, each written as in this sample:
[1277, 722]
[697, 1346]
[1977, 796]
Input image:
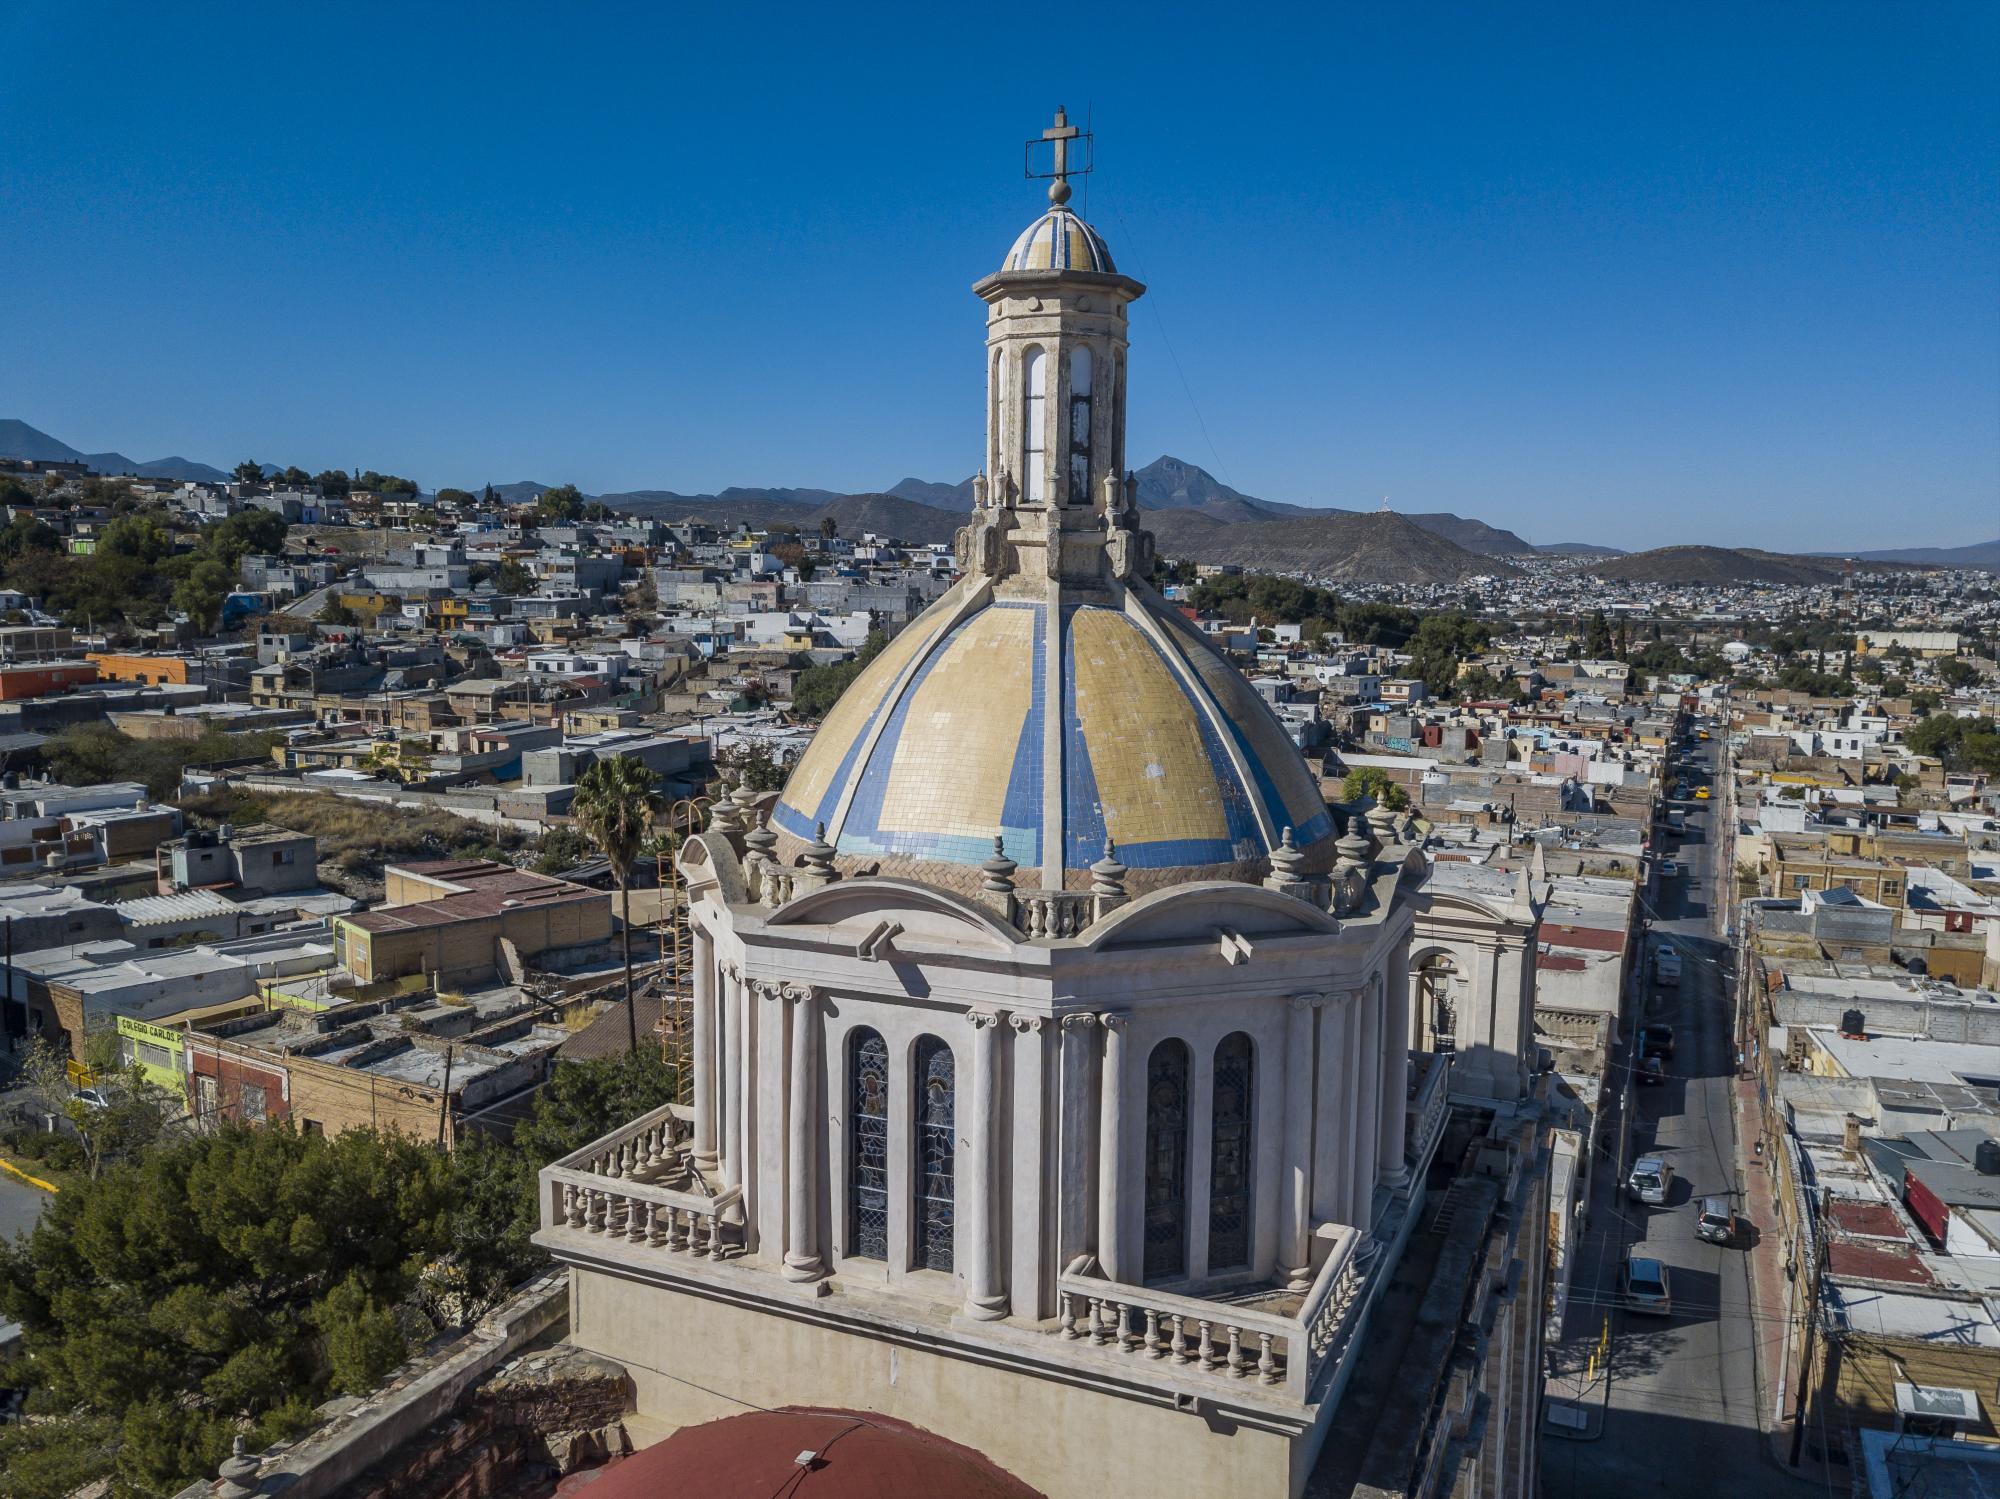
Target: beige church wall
[693, 1360]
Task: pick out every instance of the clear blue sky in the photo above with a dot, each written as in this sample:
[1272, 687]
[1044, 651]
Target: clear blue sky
[1618, 273]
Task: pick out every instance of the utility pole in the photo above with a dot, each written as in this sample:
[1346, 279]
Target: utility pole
[1812, 1329]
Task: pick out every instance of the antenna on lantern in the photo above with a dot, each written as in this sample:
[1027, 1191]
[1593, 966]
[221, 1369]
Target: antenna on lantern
[1065, 164]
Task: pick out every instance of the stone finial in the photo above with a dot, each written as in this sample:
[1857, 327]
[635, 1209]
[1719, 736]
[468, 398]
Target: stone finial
[745, 799]
[1353, 848]
[1107, 879]
[1288, 868]
[816, 863]
[1382, 822]
[760, 840]
[722, 815]
[999, 871]
[238, 1473]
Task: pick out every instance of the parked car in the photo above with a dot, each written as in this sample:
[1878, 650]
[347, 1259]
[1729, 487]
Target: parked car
[1701, 793]
[1670, 869]
[1651, 1071]
[1715, 1221]
[91, 1098]
[1656, 1040]
[1648, 1287]
[1667, 967]
[1650, 1182]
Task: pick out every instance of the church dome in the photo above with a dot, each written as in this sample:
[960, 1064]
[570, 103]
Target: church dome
[1101, 729]
[1059, 241]
[758, 1453]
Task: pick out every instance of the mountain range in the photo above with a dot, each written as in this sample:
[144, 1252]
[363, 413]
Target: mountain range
[1194, 514]
[1698, 565]
[19, 440]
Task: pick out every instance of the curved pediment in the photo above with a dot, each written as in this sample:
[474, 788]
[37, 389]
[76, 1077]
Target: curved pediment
[707, 862]
[1191, 913]
[924, 913]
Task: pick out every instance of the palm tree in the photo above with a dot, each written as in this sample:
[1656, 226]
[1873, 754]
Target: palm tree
[615, 803]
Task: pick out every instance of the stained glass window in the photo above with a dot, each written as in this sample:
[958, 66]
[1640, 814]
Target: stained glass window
[1166, 1161]
[1229, 1155]
[868, 1174]
[1079, 426]
[936, 1155]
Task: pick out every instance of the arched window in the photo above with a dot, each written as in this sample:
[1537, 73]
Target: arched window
[868, 1132]
[1439, 1018]
[1034, 430]
[1166, 1161]
[936, 1155]
[1079, 426]
[1229, 1155]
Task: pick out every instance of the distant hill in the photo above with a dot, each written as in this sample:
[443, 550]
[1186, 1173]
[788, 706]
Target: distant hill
[853, 514]
[1473, 535]
[19, 440]
[1703, 564]
[1981, 554]
[520, 492]
[1338, 546]
[1175, 484]
[1581, 549]
[926, 492]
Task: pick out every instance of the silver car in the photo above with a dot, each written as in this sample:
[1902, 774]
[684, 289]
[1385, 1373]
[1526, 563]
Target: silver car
[1715, 1221]
[1648, 1287]
[1650, 1182]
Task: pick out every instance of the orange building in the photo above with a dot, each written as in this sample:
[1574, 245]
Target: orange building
[18, 682]
[145, 669]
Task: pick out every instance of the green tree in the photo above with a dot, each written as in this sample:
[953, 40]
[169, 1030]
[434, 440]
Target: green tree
[223, 1284]
[333, 482]
[1441, 643]
[562, 505]
[449, 496]
[202, 592]
[249, 471]
[1597, 638]
[561, 848]
[1372, 783]
[816, 689]
[616, 800]
[295, 477]
[512, 579]
[333, 612]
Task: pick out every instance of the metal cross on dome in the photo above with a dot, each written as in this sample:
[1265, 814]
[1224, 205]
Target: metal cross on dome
[1059, 136]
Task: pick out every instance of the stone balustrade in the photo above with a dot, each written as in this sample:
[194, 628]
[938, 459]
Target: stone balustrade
[1432, 1107]
[659, 1217]
[1203, 1337]
[1054, 913]
[1215, 1338]
[639, 1184]
[1327, 1314]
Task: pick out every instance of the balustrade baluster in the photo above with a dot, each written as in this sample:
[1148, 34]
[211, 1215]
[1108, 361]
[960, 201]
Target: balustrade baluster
[1178, 1346]
[1099, 1333]
[1267, 1359]
[1238, 1365]
[1207, 1350]
[1066, 1317]
[1128, 1326]
[1156, 1346]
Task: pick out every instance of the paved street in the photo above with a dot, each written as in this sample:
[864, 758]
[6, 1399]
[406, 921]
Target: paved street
[1683, 1397]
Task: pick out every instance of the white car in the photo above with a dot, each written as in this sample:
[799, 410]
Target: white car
[1651, 1181]
[1667, 967]
[1670, 869]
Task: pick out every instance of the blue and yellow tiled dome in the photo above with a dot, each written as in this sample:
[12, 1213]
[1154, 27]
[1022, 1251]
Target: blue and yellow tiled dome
[1059, 241]
[1158, 744]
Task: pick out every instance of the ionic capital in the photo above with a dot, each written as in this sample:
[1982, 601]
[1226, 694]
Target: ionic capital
[1310, 1000]
[1077, 1021]
[1115, 1021]
[982, 1019]
[1027, 1025]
